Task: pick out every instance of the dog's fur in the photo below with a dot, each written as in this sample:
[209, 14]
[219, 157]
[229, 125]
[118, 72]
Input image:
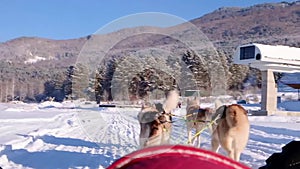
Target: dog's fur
[156, 122]
[196, 118]
[232, 130]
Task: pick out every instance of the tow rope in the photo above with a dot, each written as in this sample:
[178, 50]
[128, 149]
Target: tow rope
[204, 128]
[184, 118]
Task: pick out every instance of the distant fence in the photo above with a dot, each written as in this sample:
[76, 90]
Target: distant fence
[189, 93]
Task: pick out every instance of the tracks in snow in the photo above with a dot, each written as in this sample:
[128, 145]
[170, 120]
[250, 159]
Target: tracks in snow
[94, 139]
[121, 133]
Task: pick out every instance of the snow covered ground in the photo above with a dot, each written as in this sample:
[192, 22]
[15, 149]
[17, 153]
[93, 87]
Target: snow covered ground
[81, 135]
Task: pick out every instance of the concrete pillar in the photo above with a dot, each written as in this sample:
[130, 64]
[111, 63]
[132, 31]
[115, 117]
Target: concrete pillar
[269, 92]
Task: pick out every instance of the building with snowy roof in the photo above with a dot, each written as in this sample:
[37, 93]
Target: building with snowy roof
[269, 59]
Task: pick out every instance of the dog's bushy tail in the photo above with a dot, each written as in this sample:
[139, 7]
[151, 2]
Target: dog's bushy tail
[171, 101]
[219, 110]
[218, 103]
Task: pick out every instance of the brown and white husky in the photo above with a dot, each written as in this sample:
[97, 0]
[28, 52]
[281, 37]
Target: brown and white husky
[156, 121]
[232, 130]
[196, 118]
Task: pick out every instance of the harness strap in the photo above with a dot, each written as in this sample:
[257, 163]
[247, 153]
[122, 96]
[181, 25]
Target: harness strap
[166, 121]
[185, 116]
[165, 129]
[204, 128]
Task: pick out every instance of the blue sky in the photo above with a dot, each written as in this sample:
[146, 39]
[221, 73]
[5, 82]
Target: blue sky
[67, 19]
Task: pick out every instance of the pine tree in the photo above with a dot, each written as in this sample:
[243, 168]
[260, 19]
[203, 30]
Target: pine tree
[97, 85]
[80, 81]
[68, 84]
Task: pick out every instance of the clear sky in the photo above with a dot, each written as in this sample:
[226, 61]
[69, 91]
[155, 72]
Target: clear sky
[67, 19]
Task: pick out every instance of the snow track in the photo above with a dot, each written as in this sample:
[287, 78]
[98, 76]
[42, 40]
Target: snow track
[93, 138]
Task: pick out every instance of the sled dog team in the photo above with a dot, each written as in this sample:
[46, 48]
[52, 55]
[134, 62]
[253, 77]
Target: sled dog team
[228, 124]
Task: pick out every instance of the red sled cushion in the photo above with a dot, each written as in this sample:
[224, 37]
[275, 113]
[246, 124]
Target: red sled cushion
[175, 157]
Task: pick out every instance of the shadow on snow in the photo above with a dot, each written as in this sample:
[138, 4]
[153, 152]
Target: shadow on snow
[50, 159]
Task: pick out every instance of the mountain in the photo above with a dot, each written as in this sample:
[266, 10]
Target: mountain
[21, 50]
[272, 23]
[31, 64]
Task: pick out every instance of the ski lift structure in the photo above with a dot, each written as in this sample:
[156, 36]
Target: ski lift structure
[269, 59]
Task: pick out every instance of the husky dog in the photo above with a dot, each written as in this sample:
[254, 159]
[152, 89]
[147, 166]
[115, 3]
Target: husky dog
[156, 121]
[196, 118]
[232, 130]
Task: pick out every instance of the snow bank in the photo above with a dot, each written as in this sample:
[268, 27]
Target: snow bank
[51, 104]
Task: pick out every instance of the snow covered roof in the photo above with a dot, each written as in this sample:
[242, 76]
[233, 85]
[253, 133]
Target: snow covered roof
[278, 58]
